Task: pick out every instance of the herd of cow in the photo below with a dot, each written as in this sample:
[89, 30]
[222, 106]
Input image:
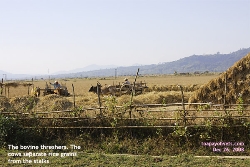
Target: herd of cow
[117, 90]
[103, 90]
[110, 89]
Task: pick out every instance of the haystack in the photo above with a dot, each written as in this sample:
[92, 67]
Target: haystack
[53, 102]
[23, 103]
[228, 87]
[30, 103]
[166, 88]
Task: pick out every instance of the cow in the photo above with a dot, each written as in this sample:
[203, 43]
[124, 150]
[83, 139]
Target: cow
[94, 89]
[107, 89]
[35, 91]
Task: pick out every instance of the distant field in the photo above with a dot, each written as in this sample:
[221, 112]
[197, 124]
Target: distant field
[82, 85]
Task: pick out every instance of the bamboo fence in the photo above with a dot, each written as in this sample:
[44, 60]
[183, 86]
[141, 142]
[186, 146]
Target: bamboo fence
[77, 120]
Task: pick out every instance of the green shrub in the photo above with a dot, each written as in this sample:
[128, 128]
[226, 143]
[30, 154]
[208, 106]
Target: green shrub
[8, 130]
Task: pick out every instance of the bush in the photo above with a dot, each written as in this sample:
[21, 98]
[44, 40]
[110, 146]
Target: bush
[8, 128]
[11, 132]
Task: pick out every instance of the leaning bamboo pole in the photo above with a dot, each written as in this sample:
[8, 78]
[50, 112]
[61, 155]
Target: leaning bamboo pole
[133, 93]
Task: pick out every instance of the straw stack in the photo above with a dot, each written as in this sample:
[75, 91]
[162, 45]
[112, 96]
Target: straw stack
[229, 86]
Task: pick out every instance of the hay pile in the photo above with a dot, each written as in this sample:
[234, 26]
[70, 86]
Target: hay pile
[18, 104]
[88, 99]
[236, 82]
[23, 103]
[34, 104]
[53, 102]
[165, 88]
[155, 98]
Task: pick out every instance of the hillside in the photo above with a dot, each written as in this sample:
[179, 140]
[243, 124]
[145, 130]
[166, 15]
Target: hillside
[213, 63]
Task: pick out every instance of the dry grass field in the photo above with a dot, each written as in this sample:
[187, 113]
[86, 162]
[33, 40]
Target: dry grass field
[161, 89]
[82, 85]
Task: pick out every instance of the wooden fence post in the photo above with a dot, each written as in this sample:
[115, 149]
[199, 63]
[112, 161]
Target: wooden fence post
[99, 99]
[32, 83]
[183, 105]
[120, 91]
[5, 91]
[74, 95]
[8, 92]
[132, 94]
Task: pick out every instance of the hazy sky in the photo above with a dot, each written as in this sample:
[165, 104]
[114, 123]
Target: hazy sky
[37, 35]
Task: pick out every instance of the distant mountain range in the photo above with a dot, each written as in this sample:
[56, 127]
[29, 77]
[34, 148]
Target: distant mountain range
[87, 68]
[195, 63]
[7, 76]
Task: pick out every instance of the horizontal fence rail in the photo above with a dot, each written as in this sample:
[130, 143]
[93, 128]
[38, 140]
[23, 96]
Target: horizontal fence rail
[213, 107]
[126, 127]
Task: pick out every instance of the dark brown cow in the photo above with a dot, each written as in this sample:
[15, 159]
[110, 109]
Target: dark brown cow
[94, 89]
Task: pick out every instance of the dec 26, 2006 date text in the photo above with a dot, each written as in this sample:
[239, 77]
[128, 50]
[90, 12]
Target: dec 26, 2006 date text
[225, 146]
